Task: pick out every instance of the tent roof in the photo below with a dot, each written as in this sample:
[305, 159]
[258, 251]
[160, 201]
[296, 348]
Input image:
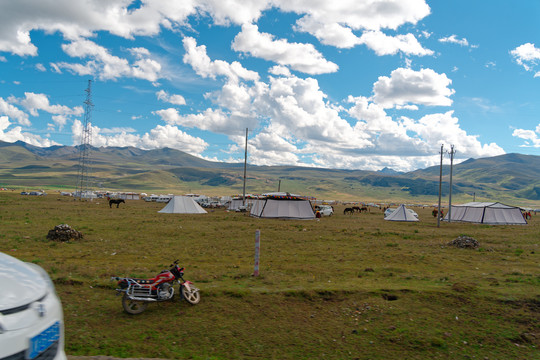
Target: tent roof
[182, 205]
[494, 205]
[493, 213]
[401, 214]
[283, 208]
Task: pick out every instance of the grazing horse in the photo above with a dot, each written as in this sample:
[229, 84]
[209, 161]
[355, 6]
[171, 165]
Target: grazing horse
[349, 211]
[116, 201]
[363, 209]
[356, 208]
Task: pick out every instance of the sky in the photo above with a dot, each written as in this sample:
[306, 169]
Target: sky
[345, 84]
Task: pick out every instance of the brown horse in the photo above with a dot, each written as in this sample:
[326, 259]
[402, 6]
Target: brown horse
[349, 211]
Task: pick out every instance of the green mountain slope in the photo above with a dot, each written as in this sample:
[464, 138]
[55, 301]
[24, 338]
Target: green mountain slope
[512, 178]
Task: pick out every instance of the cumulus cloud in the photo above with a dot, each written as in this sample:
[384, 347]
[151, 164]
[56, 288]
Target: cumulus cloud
[11, 134]
[333, 22]
[198, 59]
[437, 128]
[300, 57]
[173, 99]
[531, 137]
[453, 39]
[390, 45]
[527, 55]
[105, 66]
[210, 119]
[14, 112]
[154, 139]
[34, 102]
[76, 19]
[407, 86]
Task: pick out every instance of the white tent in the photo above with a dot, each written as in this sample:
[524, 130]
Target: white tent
[182, 205]
[283, 206]
[487, 213]
[401, 214]
[237, 202]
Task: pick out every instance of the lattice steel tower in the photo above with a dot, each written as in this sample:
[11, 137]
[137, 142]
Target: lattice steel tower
[83, 175]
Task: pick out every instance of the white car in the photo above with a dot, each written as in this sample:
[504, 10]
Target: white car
[325, 210]
[31, 316]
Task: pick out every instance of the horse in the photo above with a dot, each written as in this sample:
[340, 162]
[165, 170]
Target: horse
[434, 213]
[356, 208]
[363, 209]
[348, 211]
[116, 201]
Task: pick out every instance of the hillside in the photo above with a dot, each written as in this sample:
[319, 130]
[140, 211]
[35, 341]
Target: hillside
[511, 178]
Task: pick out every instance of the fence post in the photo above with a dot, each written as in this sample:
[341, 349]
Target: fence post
[257, 251]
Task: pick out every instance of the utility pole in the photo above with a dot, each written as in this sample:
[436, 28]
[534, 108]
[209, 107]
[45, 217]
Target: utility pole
[245, 165]
[279, 186]
[440, 189]
[452, 153]
[84, 147]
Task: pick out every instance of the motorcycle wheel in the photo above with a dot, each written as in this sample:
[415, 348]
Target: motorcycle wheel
[192, 296]
[133, 307]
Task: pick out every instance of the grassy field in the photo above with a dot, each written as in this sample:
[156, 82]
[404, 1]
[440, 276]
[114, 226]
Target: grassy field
[344, 287]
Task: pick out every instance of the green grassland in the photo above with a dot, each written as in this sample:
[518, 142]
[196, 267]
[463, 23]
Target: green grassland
[343, 287]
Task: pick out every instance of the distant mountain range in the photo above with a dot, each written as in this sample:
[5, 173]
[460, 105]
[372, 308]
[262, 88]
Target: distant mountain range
[510, 178]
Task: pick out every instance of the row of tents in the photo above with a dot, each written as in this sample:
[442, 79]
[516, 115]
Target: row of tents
[290, 206]
[473, 212]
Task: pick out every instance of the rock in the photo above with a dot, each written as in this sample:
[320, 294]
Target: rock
[64, 232]
[464, 242]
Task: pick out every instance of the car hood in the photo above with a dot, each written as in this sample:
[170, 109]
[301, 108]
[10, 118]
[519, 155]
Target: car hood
[20, 283]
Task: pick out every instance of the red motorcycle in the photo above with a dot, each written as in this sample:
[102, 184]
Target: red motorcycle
[138, 293]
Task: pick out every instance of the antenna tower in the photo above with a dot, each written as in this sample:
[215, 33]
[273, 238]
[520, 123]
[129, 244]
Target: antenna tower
[84, 147]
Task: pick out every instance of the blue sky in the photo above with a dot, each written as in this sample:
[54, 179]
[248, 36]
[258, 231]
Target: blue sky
[352, 84]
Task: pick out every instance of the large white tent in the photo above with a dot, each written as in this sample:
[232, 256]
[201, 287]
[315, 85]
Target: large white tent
[182, 205]
[401, 214]
[283, 206]
[493, 213]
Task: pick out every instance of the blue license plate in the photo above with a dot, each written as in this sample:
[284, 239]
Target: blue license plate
[42, 341]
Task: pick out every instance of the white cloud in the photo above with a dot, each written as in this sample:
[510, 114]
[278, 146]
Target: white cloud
[406, 86]
[531, 137]
[383, 44]
[75, 19]
[279, 70]
[105, 66]
[14, 112]
[40, 67]
[196, 57]
[528, 56]
[210, 120]
[158, 137]
[16, 134]
[173, 99]
[436, 128]
[453, 39]
[332, 22]
[34, 102]
[237, 11]
[301, 57]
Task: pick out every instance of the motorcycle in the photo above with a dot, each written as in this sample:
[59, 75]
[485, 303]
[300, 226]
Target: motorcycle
[138, 293]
